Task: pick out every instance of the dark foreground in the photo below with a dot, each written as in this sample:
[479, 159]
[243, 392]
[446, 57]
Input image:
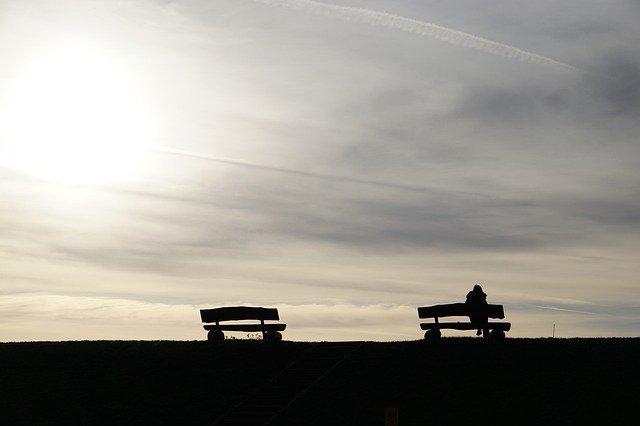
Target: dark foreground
[453, 381]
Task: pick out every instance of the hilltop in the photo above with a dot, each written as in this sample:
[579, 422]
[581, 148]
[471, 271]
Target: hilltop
[453, 381]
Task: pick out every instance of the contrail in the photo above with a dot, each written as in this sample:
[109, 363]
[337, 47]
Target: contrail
[438, 32]
[324, 176]
[553, 308]
[283, 170]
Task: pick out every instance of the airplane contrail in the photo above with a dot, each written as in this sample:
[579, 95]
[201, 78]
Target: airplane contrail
[315, 175]
[553, 308]
[414, 26]
[241, 163]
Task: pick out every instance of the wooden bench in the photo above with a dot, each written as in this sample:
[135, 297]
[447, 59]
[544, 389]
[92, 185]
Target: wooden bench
[213, 317]
[491, 329]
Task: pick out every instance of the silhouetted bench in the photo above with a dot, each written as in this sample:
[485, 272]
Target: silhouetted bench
[497, 329]
[213, 317]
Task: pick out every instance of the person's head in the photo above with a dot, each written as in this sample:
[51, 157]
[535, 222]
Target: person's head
[477, 287]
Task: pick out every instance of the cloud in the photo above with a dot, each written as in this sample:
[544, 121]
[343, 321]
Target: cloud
[182, 321]
[331, 167]
[616, 81]
[108, 318]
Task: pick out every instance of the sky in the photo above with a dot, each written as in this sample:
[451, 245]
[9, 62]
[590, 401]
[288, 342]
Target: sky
[343, 161]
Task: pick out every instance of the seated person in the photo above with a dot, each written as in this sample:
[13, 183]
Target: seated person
[476, 300]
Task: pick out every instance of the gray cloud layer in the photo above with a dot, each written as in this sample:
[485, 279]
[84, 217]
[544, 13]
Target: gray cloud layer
[321, 159]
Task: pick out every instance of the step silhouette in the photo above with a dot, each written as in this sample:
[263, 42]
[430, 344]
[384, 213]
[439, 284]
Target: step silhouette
[266, 403]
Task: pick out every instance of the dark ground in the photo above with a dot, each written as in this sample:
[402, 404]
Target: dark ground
[453, 381]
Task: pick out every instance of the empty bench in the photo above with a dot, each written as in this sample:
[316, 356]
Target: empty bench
[491, 329]
[213, 318]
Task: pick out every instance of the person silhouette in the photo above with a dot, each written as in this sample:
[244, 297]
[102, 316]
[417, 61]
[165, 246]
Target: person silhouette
[476, 301]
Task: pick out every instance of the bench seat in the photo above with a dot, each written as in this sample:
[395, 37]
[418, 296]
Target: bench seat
[504, 326]
[245, 327]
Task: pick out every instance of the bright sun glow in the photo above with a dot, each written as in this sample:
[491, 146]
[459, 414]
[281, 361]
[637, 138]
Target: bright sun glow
[74, 118]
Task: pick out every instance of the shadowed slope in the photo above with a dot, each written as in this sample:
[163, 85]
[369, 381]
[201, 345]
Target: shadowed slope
[454, 381]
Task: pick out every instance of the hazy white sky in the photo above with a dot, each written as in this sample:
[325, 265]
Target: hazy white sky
[344, 161]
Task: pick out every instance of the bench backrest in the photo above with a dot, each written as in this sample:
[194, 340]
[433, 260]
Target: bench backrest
[237, 313]
[459, 310]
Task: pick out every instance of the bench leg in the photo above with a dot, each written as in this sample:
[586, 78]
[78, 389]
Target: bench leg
[215, 335]
[497, 334]
[432, 334]
[273, 336]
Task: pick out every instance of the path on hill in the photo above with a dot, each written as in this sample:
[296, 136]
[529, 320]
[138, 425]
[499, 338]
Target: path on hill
[266, 403]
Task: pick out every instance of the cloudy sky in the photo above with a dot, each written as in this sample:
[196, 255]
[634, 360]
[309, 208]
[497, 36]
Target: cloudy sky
[345, 162]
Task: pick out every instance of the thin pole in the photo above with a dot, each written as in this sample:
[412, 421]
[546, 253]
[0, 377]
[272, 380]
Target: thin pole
[554, 331]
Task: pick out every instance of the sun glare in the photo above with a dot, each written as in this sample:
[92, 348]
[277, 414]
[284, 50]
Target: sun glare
[73, 118]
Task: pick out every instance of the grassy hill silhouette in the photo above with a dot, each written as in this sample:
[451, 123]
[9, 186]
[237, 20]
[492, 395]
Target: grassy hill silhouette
[452, 381]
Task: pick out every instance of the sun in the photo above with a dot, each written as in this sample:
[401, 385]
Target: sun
[73, 118]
